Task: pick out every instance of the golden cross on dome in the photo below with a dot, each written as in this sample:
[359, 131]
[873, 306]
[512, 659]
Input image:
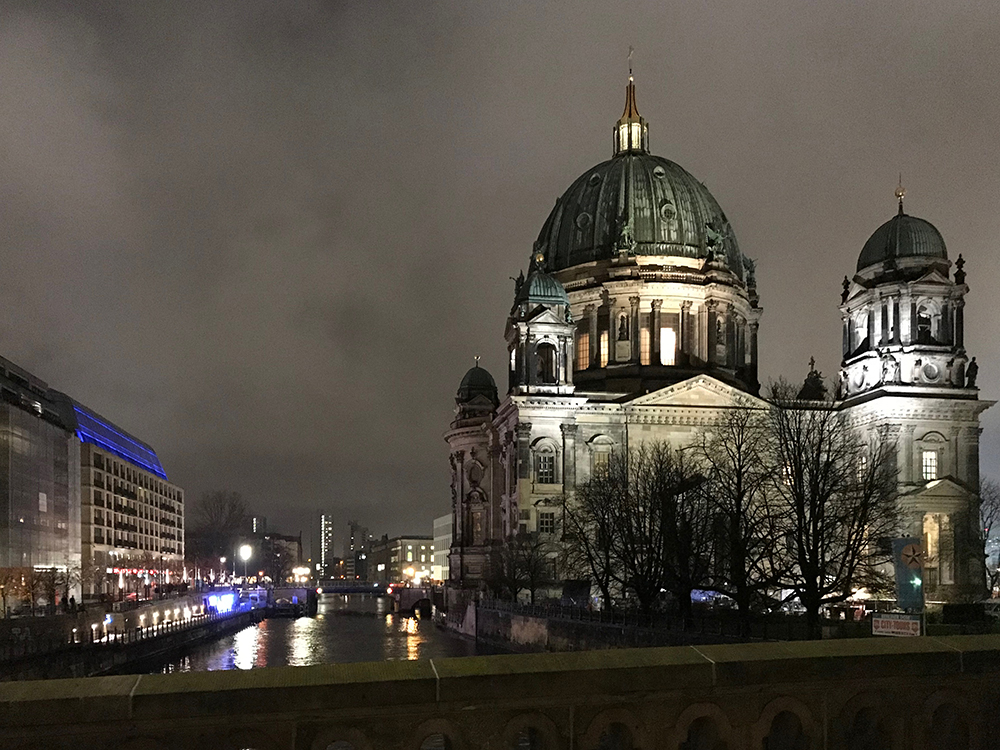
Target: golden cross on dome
[477, 360]
[900, 192]
[631, 49]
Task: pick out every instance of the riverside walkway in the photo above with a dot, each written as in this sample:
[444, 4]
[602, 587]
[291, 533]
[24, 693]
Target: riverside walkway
[884, 694]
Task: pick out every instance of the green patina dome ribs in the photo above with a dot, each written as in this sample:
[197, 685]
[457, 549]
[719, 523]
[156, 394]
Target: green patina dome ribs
[903, 236]
[541, 289]
[477, 382]
[670, 212]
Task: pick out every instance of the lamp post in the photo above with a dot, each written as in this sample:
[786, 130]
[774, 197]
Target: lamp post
[245, 552]
[222, 570]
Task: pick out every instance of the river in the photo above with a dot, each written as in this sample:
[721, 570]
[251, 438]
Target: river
[345, 629]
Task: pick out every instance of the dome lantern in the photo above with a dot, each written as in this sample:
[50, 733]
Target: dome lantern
[631, 131]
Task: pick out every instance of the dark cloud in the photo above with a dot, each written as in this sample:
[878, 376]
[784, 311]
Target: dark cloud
[269, 237]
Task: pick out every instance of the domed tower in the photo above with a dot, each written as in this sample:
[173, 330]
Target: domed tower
[657, 286]
[905, 370]
[540, 335]
[903, 318]
[473, 476]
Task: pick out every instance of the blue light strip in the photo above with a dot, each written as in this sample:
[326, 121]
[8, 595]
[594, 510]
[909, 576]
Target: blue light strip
[89, 430]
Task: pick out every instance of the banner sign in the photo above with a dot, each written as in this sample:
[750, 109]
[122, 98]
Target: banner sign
[895, 624]
[908, 559]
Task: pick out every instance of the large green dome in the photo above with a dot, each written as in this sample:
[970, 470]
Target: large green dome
[644, 203]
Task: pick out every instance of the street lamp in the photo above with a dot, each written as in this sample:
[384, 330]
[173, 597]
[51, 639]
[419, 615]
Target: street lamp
[245, 552]
[222, 569]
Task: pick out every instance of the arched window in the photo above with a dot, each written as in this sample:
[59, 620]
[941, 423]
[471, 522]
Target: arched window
[703, 734]
[616, 737]
[948, 730]
[530, 739]
[545, 353]
[601, 447]
[925, 317]
[545, 463]
[867, 732]
[436, 741]
[583, 350]
[786, 733]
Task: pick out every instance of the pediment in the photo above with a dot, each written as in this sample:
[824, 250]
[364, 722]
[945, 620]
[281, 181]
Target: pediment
[945, 487]
[700, 391]
[933, 277]
[541, 315]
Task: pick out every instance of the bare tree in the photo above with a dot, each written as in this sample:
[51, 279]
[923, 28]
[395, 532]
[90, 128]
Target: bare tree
[218, 520]
[989, 519]
[522, 563]
[748, 516]
[840, 488]
[589, 535]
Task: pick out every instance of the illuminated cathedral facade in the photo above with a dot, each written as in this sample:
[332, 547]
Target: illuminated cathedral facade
[638, 320]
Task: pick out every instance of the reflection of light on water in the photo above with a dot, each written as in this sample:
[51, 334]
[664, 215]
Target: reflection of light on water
[245, 645]
[412, 639]
[301, 645]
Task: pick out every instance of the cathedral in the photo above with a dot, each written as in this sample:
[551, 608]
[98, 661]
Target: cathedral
[638, 320]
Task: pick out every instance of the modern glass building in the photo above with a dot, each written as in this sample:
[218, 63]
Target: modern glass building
[80, 495]
[39, 485]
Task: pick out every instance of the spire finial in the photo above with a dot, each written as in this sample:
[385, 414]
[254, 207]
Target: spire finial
[477, 360]
[900, 193]
[631, 49]
[631, 133]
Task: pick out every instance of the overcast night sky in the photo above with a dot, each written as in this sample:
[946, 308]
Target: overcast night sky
[269, 237]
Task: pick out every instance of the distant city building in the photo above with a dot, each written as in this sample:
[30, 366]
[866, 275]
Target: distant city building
[276, 555]
[392, 558]
[259, 524]
[81, 495]
[357, 545]
[323, 557]
[442, 547]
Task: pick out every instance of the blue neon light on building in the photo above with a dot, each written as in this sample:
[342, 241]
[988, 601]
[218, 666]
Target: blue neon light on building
[92, 428]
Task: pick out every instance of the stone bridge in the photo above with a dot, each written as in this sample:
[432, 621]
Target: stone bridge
[863, 694]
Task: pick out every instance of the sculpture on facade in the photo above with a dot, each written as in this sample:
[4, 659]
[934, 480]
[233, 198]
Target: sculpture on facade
[971, 372]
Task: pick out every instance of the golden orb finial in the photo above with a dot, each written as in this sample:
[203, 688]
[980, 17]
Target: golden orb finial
[900, 192]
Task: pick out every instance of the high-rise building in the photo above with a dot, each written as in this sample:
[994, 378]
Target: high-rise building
[357, 545]
[323, 557]
[442, 547]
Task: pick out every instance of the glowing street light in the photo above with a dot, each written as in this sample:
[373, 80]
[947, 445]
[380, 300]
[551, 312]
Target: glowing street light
[245, 553]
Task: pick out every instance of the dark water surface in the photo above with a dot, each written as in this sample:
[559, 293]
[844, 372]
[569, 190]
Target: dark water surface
[345, 629]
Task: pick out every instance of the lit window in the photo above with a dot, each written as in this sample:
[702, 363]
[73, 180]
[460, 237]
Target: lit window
[409, 557]
[644, 346]
[604, 349]
[930, 465]
[583, 351]
[546, 523]
[599, 462]
[545, 468]
[668, 346]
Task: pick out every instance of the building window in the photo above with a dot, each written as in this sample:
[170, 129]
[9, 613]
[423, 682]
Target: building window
[525, 515]
[545, 471]
[546, 357]
[546, 523]
[668, 346]
[644, 346]
[409, 556]
[604, 349]
[583, 350]
[930, 465]
[599, 462]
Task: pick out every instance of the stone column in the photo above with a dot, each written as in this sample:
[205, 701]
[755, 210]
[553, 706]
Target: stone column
[906, 453]
[895, 321]
[569, 457]
[846, 323]
[654, 332]
[595, 345]
[524, 450]
[684, 334]
[960, 324]
[753, 348]
[710, 306]
[633, 330]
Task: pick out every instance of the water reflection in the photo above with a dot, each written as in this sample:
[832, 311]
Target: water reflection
[345, 629]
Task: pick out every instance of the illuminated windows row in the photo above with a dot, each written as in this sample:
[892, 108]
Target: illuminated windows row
[668, 348]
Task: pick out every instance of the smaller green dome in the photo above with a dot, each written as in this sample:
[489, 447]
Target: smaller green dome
[477, 382]
[541, 289]
[903, 236]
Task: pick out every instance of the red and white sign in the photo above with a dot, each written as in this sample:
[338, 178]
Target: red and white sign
[895, 624]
